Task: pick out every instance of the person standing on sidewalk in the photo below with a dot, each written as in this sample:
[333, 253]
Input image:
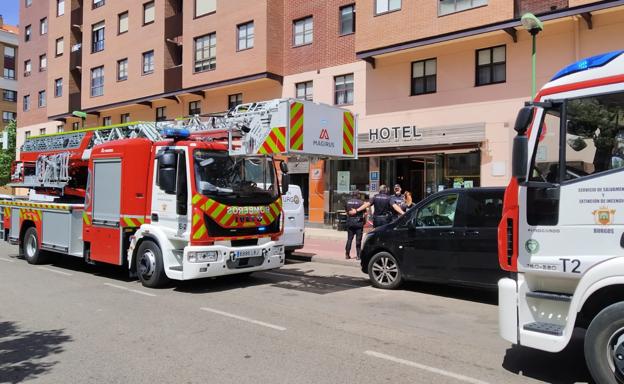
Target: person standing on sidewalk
[355, 224]
[396, 202]
[381, 207]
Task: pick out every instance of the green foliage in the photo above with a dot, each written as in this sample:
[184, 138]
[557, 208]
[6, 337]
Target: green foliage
[7, 156]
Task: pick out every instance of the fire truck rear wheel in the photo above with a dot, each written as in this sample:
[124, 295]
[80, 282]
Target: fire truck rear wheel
[30, 247]
[149, 265]
[604, 345]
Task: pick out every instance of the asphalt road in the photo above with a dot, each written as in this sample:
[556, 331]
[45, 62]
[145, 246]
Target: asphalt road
[67, 322]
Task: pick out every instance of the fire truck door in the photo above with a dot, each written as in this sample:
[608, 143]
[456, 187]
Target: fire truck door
[169, 209]
[106, 244]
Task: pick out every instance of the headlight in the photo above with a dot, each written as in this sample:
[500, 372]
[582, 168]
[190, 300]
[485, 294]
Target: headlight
[202, 256]
[278, 250]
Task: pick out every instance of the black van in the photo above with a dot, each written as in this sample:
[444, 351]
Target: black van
[449, 237]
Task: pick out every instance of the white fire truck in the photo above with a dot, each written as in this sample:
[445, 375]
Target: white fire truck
[562, 232]
[171, 200]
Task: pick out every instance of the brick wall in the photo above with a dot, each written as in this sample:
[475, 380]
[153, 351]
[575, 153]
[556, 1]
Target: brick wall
[328, 48]
[539, 6]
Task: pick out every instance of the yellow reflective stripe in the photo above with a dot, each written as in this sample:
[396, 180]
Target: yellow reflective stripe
[128, 222]
[273, 146]
[200, 232]
[86, 218]
[196, 198]
[217, 211]
[196, 218]
[294, 109]
[280, 136]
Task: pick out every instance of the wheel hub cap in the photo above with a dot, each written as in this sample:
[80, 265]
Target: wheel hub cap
[31, 246]
[385, 271]
[147, 264]
[616, 354]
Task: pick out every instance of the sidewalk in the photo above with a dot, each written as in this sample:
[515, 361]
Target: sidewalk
[326, 245]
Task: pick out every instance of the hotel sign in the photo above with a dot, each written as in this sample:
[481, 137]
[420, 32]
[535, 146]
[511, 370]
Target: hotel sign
[412, 135]
[394, 134]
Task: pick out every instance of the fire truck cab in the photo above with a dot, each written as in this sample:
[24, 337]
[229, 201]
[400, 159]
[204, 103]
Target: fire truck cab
[562, 232]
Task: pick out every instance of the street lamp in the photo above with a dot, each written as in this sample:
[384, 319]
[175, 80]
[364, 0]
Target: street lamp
[533, 25]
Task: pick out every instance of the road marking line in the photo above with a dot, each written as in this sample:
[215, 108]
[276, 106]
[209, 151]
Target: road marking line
[131, 290]
[425, 367]
[55, 271]
[241, 318]
[7, 260]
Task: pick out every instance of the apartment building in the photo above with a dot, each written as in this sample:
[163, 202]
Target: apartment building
[8, 81]
[436, 83]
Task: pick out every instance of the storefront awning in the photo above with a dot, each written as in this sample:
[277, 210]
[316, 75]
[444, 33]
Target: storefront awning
[420, 138]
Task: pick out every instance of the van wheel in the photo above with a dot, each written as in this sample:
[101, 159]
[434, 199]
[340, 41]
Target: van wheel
[384, 271]
[30, 247]
[604, 345]
[149, 265]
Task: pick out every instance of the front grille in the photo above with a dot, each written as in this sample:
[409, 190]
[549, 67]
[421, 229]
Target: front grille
[245, 263]
[244, 242]
[215, 230]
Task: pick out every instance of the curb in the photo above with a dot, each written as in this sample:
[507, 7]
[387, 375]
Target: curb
[317, 259]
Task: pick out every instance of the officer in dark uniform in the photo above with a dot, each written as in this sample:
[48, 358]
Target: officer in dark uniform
[355, 224]
[396, 202]
[382, 213]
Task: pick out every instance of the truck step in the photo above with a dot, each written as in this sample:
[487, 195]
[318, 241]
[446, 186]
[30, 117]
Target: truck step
[547, 328]
[550, 296]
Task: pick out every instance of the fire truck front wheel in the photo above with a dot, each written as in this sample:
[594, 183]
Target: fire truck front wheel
[30, 247]
[149, 265]
[604, 345]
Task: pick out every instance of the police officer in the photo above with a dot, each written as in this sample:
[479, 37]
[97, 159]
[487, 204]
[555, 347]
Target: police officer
[396, 202]
[355, 224]
[381, 207]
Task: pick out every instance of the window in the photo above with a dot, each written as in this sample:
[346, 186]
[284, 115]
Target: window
[28, 3]
[97, 3]
[438, 213]
[26, 134]
[42, 131]
[97, 81]
[246, 36]
[60, 128]
[8, 95]
[206, 52]
[27, 33]
[451, 6]
[107, 120]
[125, 118]
[9, 74]
[483, 209]
[27, 68]
[424, 76]
[204, 7]
[59, 46]
[43, 63]
[303, 31]
[123, 23]
[161, 113]
[194, 108]
[347, 19]
[234, 100]
[42, 99]
[385, 6]
[9, 52]
[303, 91]
[343, 89]
[26, 102]
[97, 37]
[8, 116]
[148, 62]
[43, 26]
[122, 70]
[60, 7]
[58, 87]
[149, 13]
[491, 65]
[75, 126]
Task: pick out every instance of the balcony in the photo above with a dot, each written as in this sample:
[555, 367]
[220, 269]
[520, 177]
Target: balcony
[173, 78]
[538, 7]
[75, 59]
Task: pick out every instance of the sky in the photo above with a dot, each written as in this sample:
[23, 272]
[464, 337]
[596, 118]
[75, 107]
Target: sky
[9, 9]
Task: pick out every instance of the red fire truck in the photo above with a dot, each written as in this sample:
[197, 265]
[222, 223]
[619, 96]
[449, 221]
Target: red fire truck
[171, 200]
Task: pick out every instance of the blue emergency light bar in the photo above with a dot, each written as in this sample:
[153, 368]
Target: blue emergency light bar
[588, 63]
[176, 133]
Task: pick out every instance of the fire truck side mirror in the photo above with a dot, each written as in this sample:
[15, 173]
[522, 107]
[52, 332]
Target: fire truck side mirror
[520, 157]
[167, 169]
[285, 182]
[283, 167]
[524, 119]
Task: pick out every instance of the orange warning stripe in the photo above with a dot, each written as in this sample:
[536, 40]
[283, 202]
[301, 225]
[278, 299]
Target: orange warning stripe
[275, 142]
[296, 126]
[347, 134]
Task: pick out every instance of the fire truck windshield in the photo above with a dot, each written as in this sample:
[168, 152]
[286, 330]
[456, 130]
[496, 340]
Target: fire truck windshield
[229, 179]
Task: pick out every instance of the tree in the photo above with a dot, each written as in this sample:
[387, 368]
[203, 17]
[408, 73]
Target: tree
[7, 155]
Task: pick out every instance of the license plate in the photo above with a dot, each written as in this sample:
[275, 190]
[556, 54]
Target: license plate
[248, 253]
